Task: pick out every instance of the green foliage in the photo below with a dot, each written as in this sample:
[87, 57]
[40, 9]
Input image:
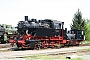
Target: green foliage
[78, 22]
[87, 34]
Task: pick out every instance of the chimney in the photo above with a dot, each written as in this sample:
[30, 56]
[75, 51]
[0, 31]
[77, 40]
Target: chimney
[26, 18]
[62, 25]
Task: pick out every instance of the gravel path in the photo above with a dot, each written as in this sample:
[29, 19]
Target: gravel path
[10, 54]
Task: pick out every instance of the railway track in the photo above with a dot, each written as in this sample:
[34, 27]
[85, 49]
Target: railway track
[7, 47]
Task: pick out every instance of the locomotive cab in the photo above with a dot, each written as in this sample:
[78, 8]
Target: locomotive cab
[75, 35]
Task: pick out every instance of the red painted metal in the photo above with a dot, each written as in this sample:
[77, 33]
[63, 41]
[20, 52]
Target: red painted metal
[52, 44]
[12, 42]
[64, 41]
[21, 42]
[56, 38]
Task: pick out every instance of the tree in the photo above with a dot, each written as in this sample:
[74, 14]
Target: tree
[78, 22]
[87, 34]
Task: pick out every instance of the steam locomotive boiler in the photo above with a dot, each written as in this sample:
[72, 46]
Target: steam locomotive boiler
[45, 33]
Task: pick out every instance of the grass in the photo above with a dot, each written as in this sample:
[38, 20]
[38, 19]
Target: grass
[86, 41]
[49, 57]
[77, 58]
[46, 57]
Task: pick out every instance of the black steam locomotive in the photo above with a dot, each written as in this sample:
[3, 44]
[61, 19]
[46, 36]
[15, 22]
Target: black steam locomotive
[46, 33]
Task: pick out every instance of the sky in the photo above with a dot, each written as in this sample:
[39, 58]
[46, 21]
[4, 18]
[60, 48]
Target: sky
[12, 11]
